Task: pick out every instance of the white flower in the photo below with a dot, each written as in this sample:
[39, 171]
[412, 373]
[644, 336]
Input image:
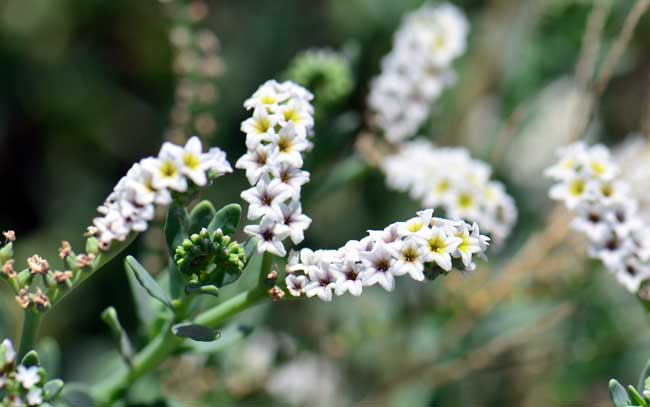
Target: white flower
[379, 267]
[215, 162]
[438, 247]
[322, 280]
[35, 397]
[288, 146]
[296, 284]
[265, 198]
[259, 128]
[293, 177]
[270, 234]
[416, 226]
[165, 171]
[256, 163]
[191, 159]
[27, 376]
[467, 248]
[349, 278]
[297, 222]
[8, 351]
[410, 259]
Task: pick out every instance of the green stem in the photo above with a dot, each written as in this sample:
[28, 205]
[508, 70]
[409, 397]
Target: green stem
[166, 343]
[30, 331]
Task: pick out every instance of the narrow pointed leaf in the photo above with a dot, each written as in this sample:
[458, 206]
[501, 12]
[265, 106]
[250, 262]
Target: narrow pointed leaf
[618, 394]
[226, 219]
[52, 389]
[109, 316]
[201, 216]
[141, 298]
[146, 281]
[195, 332]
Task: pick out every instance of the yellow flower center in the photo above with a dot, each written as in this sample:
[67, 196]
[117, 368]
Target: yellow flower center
[262, 125]
[437, 245]
[577, 187]
[291, 115]
[465, 201]
[191, 161]
[168, 170]
[414, 226]
[268, 99]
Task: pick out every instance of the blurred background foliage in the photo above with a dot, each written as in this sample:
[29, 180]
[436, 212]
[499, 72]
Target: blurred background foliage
[86, 90]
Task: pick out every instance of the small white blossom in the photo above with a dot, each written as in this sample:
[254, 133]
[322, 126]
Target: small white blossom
[35, 397]
[322, 280]
[27, 376]
[8, 351]
[270, 234]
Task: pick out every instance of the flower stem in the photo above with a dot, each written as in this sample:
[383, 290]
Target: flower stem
[166, 343]
[30, 331]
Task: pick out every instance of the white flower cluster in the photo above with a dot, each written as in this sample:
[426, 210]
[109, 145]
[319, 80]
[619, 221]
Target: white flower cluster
[417, 69]
[29, 389]
[589, 184]
[421, 244]
[276, 137]
[150, 182]
[450, 179]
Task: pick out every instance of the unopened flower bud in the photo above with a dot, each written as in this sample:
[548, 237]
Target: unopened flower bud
[38, 265]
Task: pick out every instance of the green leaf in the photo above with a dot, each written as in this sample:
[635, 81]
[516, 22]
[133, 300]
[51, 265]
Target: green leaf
[176, 226]
[201, 216]
[92, 245]
[146, 281]
[52, 389]
[195, 332]
[226, 219]
[230, 336]
[6, 252]
[141, 299]
[636, 397]
[31, 359]
[645, 373]
[109, 316]
[618, 394]
[76, 395]
[209, 289]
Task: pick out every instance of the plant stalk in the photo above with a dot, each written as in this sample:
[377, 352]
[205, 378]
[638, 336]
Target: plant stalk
[31, 324]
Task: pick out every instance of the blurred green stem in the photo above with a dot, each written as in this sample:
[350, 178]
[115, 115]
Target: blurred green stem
[30, 330]
[166, 342]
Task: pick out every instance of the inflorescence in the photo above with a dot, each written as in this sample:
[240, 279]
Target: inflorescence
[422, 247]
[417, 69]
[151, 182]
[450, 179]
[589, 184]
[276, 137]
[24, 384]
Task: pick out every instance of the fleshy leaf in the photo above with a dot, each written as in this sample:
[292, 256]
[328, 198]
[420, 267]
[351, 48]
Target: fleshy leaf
[618, 394]
[226, 219]
[52, 389]
[146, 281]
[195, 332]
[31, 359]
[201, 216]
[109, 316]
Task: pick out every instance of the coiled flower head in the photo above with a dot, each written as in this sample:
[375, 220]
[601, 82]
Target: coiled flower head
[326, 72]
[205, 254]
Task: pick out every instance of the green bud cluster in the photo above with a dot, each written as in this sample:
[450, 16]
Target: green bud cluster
[205, 254]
